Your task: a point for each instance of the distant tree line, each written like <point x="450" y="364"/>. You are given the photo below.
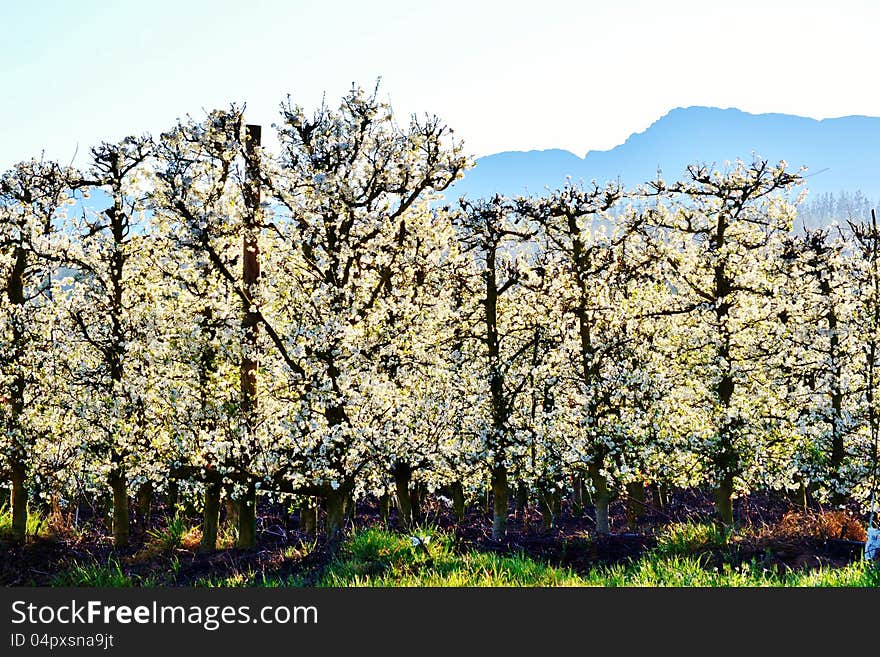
<point x="821" y="209"/>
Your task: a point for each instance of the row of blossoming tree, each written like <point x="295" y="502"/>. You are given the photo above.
<point x="198" y="317"/>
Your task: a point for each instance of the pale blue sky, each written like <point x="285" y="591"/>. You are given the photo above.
<point x="505" y="75"/>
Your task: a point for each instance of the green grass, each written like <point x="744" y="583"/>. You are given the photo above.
<point x="165" y="541"/>
<point x="378" y="557"/>
<point x="249" y="578"/>
<point x="109" y="573"/>
<point x="170" y="537"/>
<point x="686" y="538"/>
<point x="36" y="523"/>
<point x="655" y="570"/>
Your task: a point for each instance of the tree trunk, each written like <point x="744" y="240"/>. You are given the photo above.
<point x="838" y="449"/>
<point x="173" y="495"/>
<point x="120" y="508"/>
<point x="308" y="516"/>
<point x="402" y="474"/>
<point x="724" y="501"/>
<point x="458" y="501"/>
<point x="19" y="496"/>
<point x="635" y="503"/>
<point x="384" y="508"/>
<point x="802" y="495"/>
<point x="417" y="496"/>
<point x="499" y="495"/>
<point x="250" y="278"/>
<point x="105" y="503"/>
<point x="522" y="500"/>
<point x="211" y="518"/>
<point x="247" y="518"/>
<point x="335" y="503"/>
<point x="601" y="499"/>
<point x="577" y="497"/>
<point x="19" y="503"/>
<point x="546" y="511"/>
<point x="56" y="518"/>
<point x="145" y="504"/>
<point x="231" y="512"/>
<point x="350" y="508"/>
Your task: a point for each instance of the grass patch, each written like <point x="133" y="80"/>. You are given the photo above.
<point x="656" y="570"/>
<point x="172" y="536"/>
<point x="109" y="573"/>
<point x="685" y="538"/>
<point x="378" y="557"/>
<point x="249" y="579"/>
<point x="37" y="524"/>
<point x="177" y="534"/>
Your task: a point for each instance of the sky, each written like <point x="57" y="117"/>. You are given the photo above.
<point x="504" y="75"/>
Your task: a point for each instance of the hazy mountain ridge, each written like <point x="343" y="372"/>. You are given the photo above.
<point x="840" y="153"/>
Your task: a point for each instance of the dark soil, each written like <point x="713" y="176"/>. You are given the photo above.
<point x="769" y="530"/>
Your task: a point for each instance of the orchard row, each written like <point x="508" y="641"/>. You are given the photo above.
<point x="197" y="313"/>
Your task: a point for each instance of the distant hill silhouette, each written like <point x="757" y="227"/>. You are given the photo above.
<point x="841" y="153"/>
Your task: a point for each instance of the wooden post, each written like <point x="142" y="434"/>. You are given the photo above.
<point x="250" y="270"/>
